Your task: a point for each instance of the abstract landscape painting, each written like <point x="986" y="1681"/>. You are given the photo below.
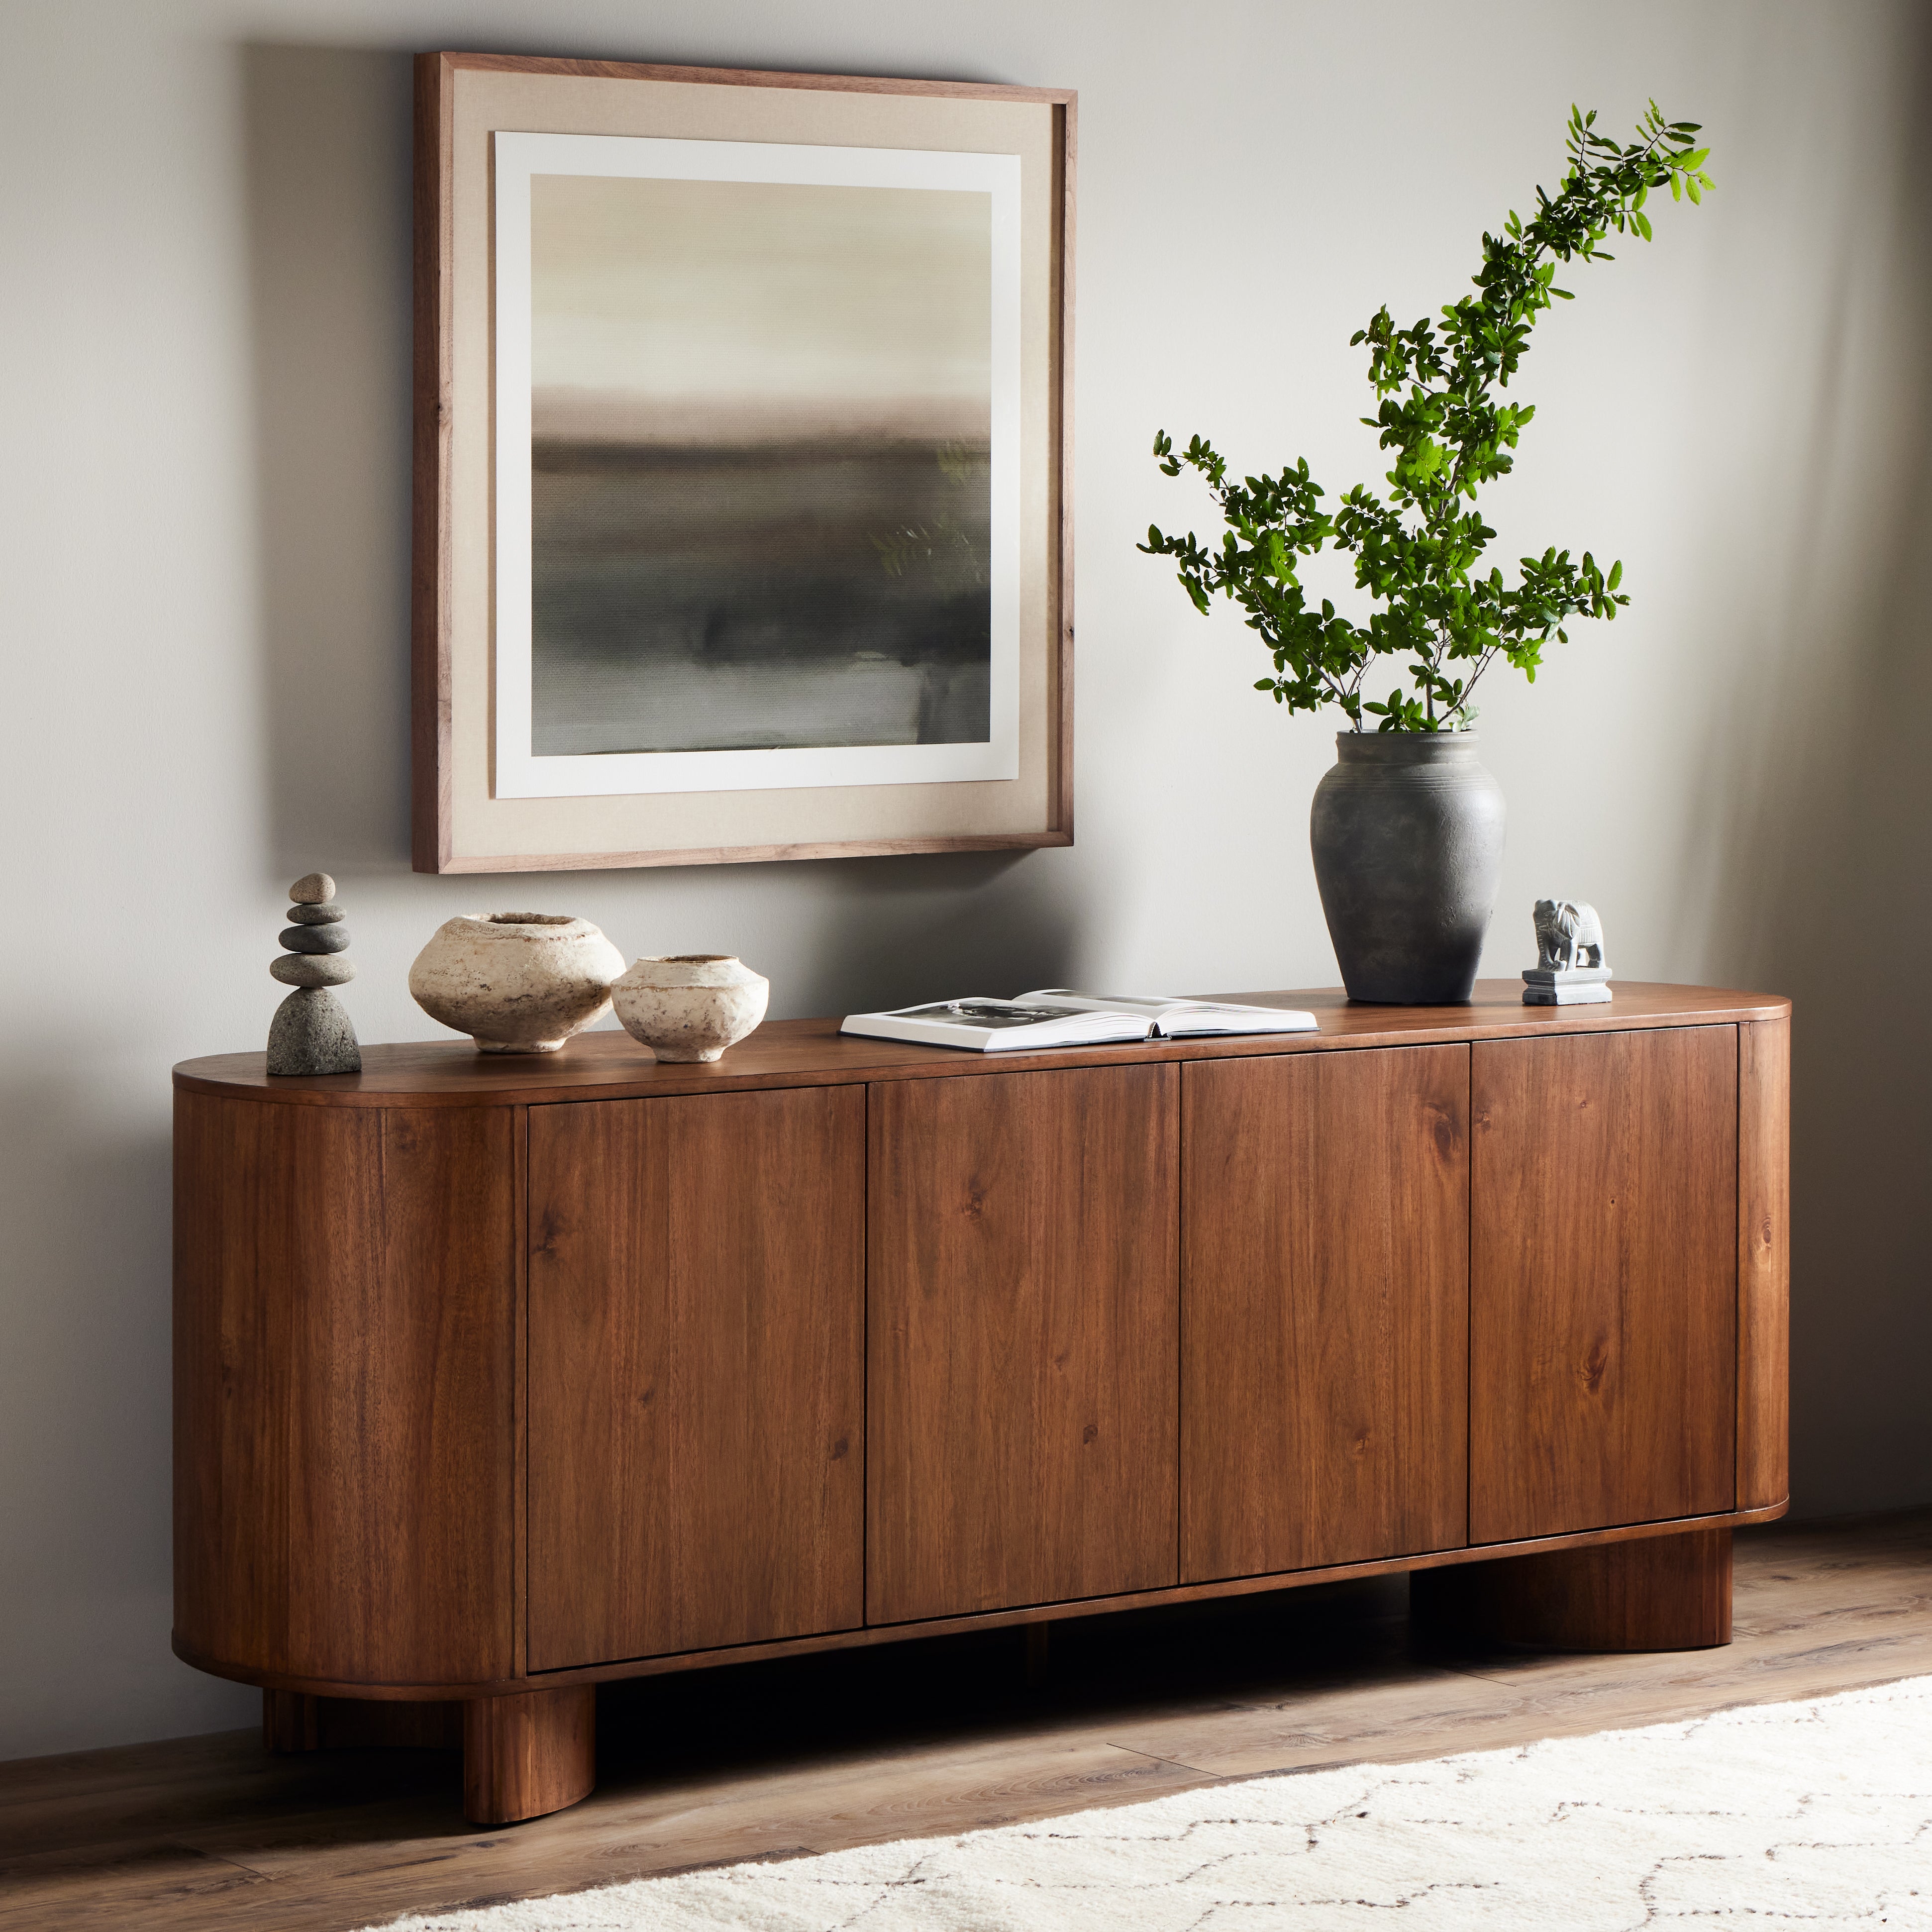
<point x="761" y="471"/>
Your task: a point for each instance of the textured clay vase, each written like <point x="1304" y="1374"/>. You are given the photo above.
<point x="1408" y="834"/>
<point x="691" y="1006"/>
<point x="516" y="981"/>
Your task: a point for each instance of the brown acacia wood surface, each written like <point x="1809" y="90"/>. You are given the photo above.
<point x="345" y="1289"/>
<point x="1065" y="1609"/>
<point x="1659" y="1593"/>
<point x="697" y="1399"/>
<point x="1324" y="1308"/>
<point x="1022" y="1345"/>
<point x="819" y="1754"/>
<point x="808" y="1052"/>
<point x="1764" y="1262"/>
<point x="525" y="1756"/>
<point x="1603" y="1291"/>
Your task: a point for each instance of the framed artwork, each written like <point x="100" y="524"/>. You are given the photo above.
<point x="742" y="529"/>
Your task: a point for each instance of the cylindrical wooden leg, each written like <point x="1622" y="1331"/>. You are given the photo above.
<point x="526" y="1755"/>
<point x="293" y="1722"/>
<point x="1038" y="1654"/>
<point x="290" y="1721"/>
<point x="1651" y="1593"/>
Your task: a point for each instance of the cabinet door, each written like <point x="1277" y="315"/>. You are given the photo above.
<point x="1324" y="1308"/>
<point x="1602" y="1280"/>
<point x="1021" y="1264"/>
<point x="696" y="1371"/>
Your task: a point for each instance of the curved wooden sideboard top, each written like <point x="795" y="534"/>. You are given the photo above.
<point x="611" y="1066"/>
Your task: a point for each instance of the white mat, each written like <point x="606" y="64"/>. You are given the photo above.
<point x="1814" y="1816"/>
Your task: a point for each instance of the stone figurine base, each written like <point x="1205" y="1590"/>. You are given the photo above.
<point x="311" y="1033"/>
<point x="1566" y="986"/>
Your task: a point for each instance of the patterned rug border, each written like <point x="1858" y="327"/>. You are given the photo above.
<point x="1647" y="1824"/>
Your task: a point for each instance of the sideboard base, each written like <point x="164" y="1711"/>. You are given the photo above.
<point x="532" y="1752"/>
<point x="1654" y="1593"/>
<point x="523" y="1757"/>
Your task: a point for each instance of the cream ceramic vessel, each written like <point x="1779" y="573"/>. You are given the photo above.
<point x="691" y="1006"/>
<point x="516" y="981"/>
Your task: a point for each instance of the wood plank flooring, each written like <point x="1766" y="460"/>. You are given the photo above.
<point x="812" y="1754"/>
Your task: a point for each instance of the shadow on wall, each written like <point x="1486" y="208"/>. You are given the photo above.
<point x="1825" y="892"/>
<point x="328" y="134"/>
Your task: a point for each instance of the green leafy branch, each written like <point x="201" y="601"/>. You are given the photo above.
<point x="1418" y="547"/>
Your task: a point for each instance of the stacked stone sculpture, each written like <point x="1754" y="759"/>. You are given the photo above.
<point x="311" y="1033"/>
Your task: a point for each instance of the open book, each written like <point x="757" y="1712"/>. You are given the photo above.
<point x="1057" y="1017"/>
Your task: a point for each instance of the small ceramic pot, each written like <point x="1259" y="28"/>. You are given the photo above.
<point x="516" y="981"/>
<point x="692" y="1006"/>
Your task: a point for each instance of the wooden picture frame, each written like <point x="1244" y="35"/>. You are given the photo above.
<point x="524" y="759"/>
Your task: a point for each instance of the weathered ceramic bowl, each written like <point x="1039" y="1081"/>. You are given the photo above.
<point x="516" y="981"/>
<point x="691" y="1006"/>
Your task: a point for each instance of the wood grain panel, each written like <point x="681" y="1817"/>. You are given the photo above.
<point x="1023" y="1257"/>
<point x="345" y="1300"/>
<point x="697" y="1364"/>
<point x="1764" y="1262"/>
<point x="250" y="1183"/>
<point x="1324" y="1310"/>
<point x="400" y="1549"/>
<point x="1602" y="1280"/>
<point x="794" y="1053"/>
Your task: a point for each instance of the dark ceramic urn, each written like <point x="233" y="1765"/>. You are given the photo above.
<point x="1407" y="834"/>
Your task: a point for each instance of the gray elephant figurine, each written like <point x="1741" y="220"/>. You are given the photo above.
<point x="1568" y="935"/>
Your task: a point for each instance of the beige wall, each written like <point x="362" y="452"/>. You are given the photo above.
<point x="205" y="389"/>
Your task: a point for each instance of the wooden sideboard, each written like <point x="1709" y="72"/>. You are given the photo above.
<point x="495" y="1377"/>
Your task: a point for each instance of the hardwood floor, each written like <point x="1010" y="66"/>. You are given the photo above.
<point x="812" y="1754"/>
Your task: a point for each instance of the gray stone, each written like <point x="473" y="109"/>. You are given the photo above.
<point x="326" y="913"/>
<point x="1571" y="969"/>
<point x="314" y="938"/>
<point x="311" y="1033"/>
<point x="1566" y="996"/>
<point x="313" y="889"/>
<point x="304" y="969"/>
<point x="1408" y="836"/>
<point x="1569" y="935"/>
<point x="1573" y="975"/>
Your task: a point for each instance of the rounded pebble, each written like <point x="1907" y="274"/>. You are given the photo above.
<point x="326" y="913"/>
<point x="304" y="969"/>
<point x="312" y="889"/>
<point x="310" y="1034"/>
<point x="314" y="939"/>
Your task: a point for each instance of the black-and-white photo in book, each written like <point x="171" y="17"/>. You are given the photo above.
<point x="1059" y="1017"/>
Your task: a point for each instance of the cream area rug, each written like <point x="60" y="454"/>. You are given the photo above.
<point x="1801" y="1815"/>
